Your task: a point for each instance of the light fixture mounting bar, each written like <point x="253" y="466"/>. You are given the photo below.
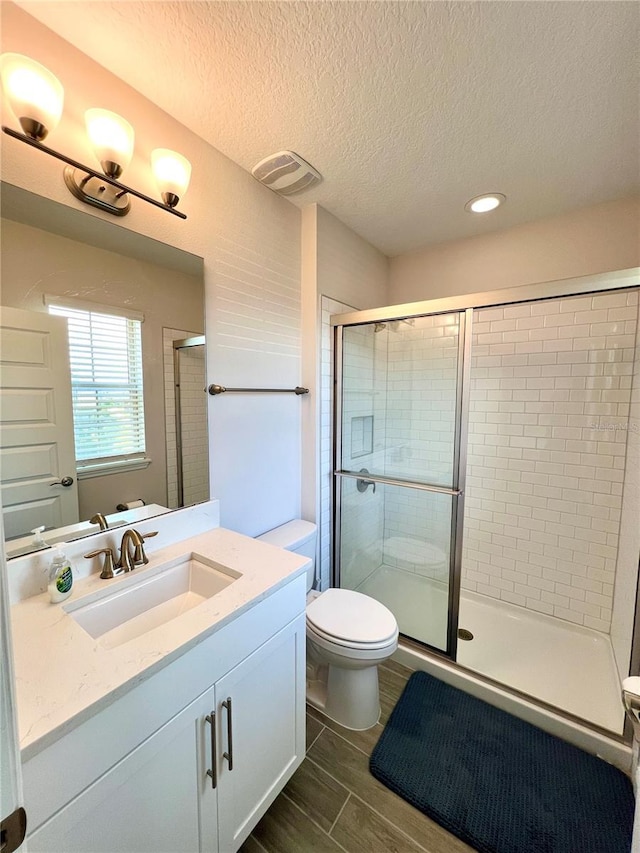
<point x="92" y="172"/>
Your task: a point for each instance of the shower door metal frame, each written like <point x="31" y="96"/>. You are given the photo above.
<point x="456" y="492"/>
<point x="618" y="280"/>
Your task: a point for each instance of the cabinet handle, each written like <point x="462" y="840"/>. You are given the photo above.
<point x="229" y="755"/>
<point x="211" y="718"/>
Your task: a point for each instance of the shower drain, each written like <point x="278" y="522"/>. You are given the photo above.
<point x="463" y="634"/>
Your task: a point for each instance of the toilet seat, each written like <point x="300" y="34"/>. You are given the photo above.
<point x="349" y="648"/>
<point x="352" y="620"/>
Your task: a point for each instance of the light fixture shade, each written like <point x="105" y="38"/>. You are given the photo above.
<point x="35" y="95"/>
<point x="112" y="140"/>
<point x="172" y="172"/>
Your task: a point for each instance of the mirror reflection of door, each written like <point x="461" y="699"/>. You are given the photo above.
<point x="52" y="259"/>
<point x="191" y="484"/>
<point x="37" y="456"/>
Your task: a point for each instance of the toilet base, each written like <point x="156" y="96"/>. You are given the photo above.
<point x="347" y="696"/>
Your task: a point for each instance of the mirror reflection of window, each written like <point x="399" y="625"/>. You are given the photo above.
<point x="105" y="356"/>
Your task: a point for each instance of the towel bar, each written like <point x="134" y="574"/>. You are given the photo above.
<point x="220" y="389"/>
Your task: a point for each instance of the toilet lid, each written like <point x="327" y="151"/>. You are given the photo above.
<point x="351" y="617"/>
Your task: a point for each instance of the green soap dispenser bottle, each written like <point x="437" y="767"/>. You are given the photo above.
<point x="60" y="575"/>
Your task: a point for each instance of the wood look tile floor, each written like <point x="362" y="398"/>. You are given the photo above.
<point x="334" y="804"/>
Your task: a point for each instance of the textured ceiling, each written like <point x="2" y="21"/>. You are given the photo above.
<point x="408" y="109"/>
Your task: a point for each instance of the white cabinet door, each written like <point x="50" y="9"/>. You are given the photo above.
<point x="10" y="778"/>
<point x="158" y="799"/>
<point x="261" y="730"/>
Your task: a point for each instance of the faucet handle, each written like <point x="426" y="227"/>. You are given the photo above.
<point x="139" y="556"/>
<point x="109" y="569"/>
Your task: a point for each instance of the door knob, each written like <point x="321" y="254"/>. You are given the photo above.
<point x="65" y="481"/>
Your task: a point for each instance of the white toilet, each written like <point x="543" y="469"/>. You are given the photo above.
<point x="348" y="635"/>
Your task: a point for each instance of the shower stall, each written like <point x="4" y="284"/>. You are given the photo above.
<point x="487" y="484"/>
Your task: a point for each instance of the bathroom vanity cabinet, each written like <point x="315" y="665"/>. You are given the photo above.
<point x="172" y="764"/>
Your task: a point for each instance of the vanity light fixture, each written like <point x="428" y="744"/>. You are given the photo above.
<point x="35" y="97"/>
<point x="112" y="140"/>
<point x="34" y="94"/>
<point x="485" y="203"/>
<point x="172" y="172"/>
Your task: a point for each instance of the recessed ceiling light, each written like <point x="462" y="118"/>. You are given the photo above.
<point x="485" y="203"/>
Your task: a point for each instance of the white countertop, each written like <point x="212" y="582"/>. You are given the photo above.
<point x="64" y="676"/>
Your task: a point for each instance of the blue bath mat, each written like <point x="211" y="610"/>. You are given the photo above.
<point x="498" y="783"/>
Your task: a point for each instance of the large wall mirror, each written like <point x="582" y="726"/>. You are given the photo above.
<point x="102" y="375"/>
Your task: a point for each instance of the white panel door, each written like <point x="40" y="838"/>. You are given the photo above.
<point x="262" y="732"/>
<point x="36" y="445"/>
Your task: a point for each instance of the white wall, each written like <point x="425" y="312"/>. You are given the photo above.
<point x="340" y="265"/>
<point x="595" y="239"/>
<point x="250" y="241"/>
<point x="349" y="269"/>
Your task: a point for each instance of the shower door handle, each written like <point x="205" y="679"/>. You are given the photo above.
<point x="362" y="484"/>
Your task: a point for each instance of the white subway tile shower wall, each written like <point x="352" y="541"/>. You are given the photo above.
<point x="421" y="400"/>
<point x="624" y="597"/>
<point x="403" y="374"/>
<point x="550" y="397"/>
<point x="364" y="381"/>
<point x="328" y="307"/>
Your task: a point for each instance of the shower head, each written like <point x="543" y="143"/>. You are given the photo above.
<point x="394" y="325"/>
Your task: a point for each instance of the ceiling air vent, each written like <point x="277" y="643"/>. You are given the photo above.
<point x="286" y="173"/>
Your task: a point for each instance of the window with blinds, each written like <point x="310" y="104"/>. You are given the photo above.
<point x="105" y="354"/>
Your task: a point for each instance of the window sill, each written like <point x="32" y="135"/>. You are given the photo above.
<point x="119" y="466"/>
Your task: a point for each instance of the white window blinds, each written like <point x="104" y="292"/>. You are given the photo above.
<point x="105" y="352"/>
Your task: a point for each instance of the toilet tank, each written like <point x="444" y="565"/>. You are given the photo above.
<point x="298" y="536"/>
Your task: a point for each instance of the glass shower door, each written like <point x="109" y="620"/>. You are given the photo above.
<point x="398" y="469"/>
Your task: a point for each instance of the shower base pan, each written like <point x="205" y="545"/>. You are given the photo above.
<point x="563" y="665"/>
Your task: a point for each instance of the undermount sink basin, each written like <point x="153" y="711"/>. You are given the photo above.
<point x="159" y="595"/>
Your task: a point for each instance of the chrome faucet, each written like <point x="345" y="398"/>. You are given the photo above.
<point x="132" y="539"/>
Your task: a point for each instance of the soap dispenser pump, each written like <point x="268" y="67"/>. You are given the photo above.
<point x="60" y="575"/>
<point x="38" y="539"/>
